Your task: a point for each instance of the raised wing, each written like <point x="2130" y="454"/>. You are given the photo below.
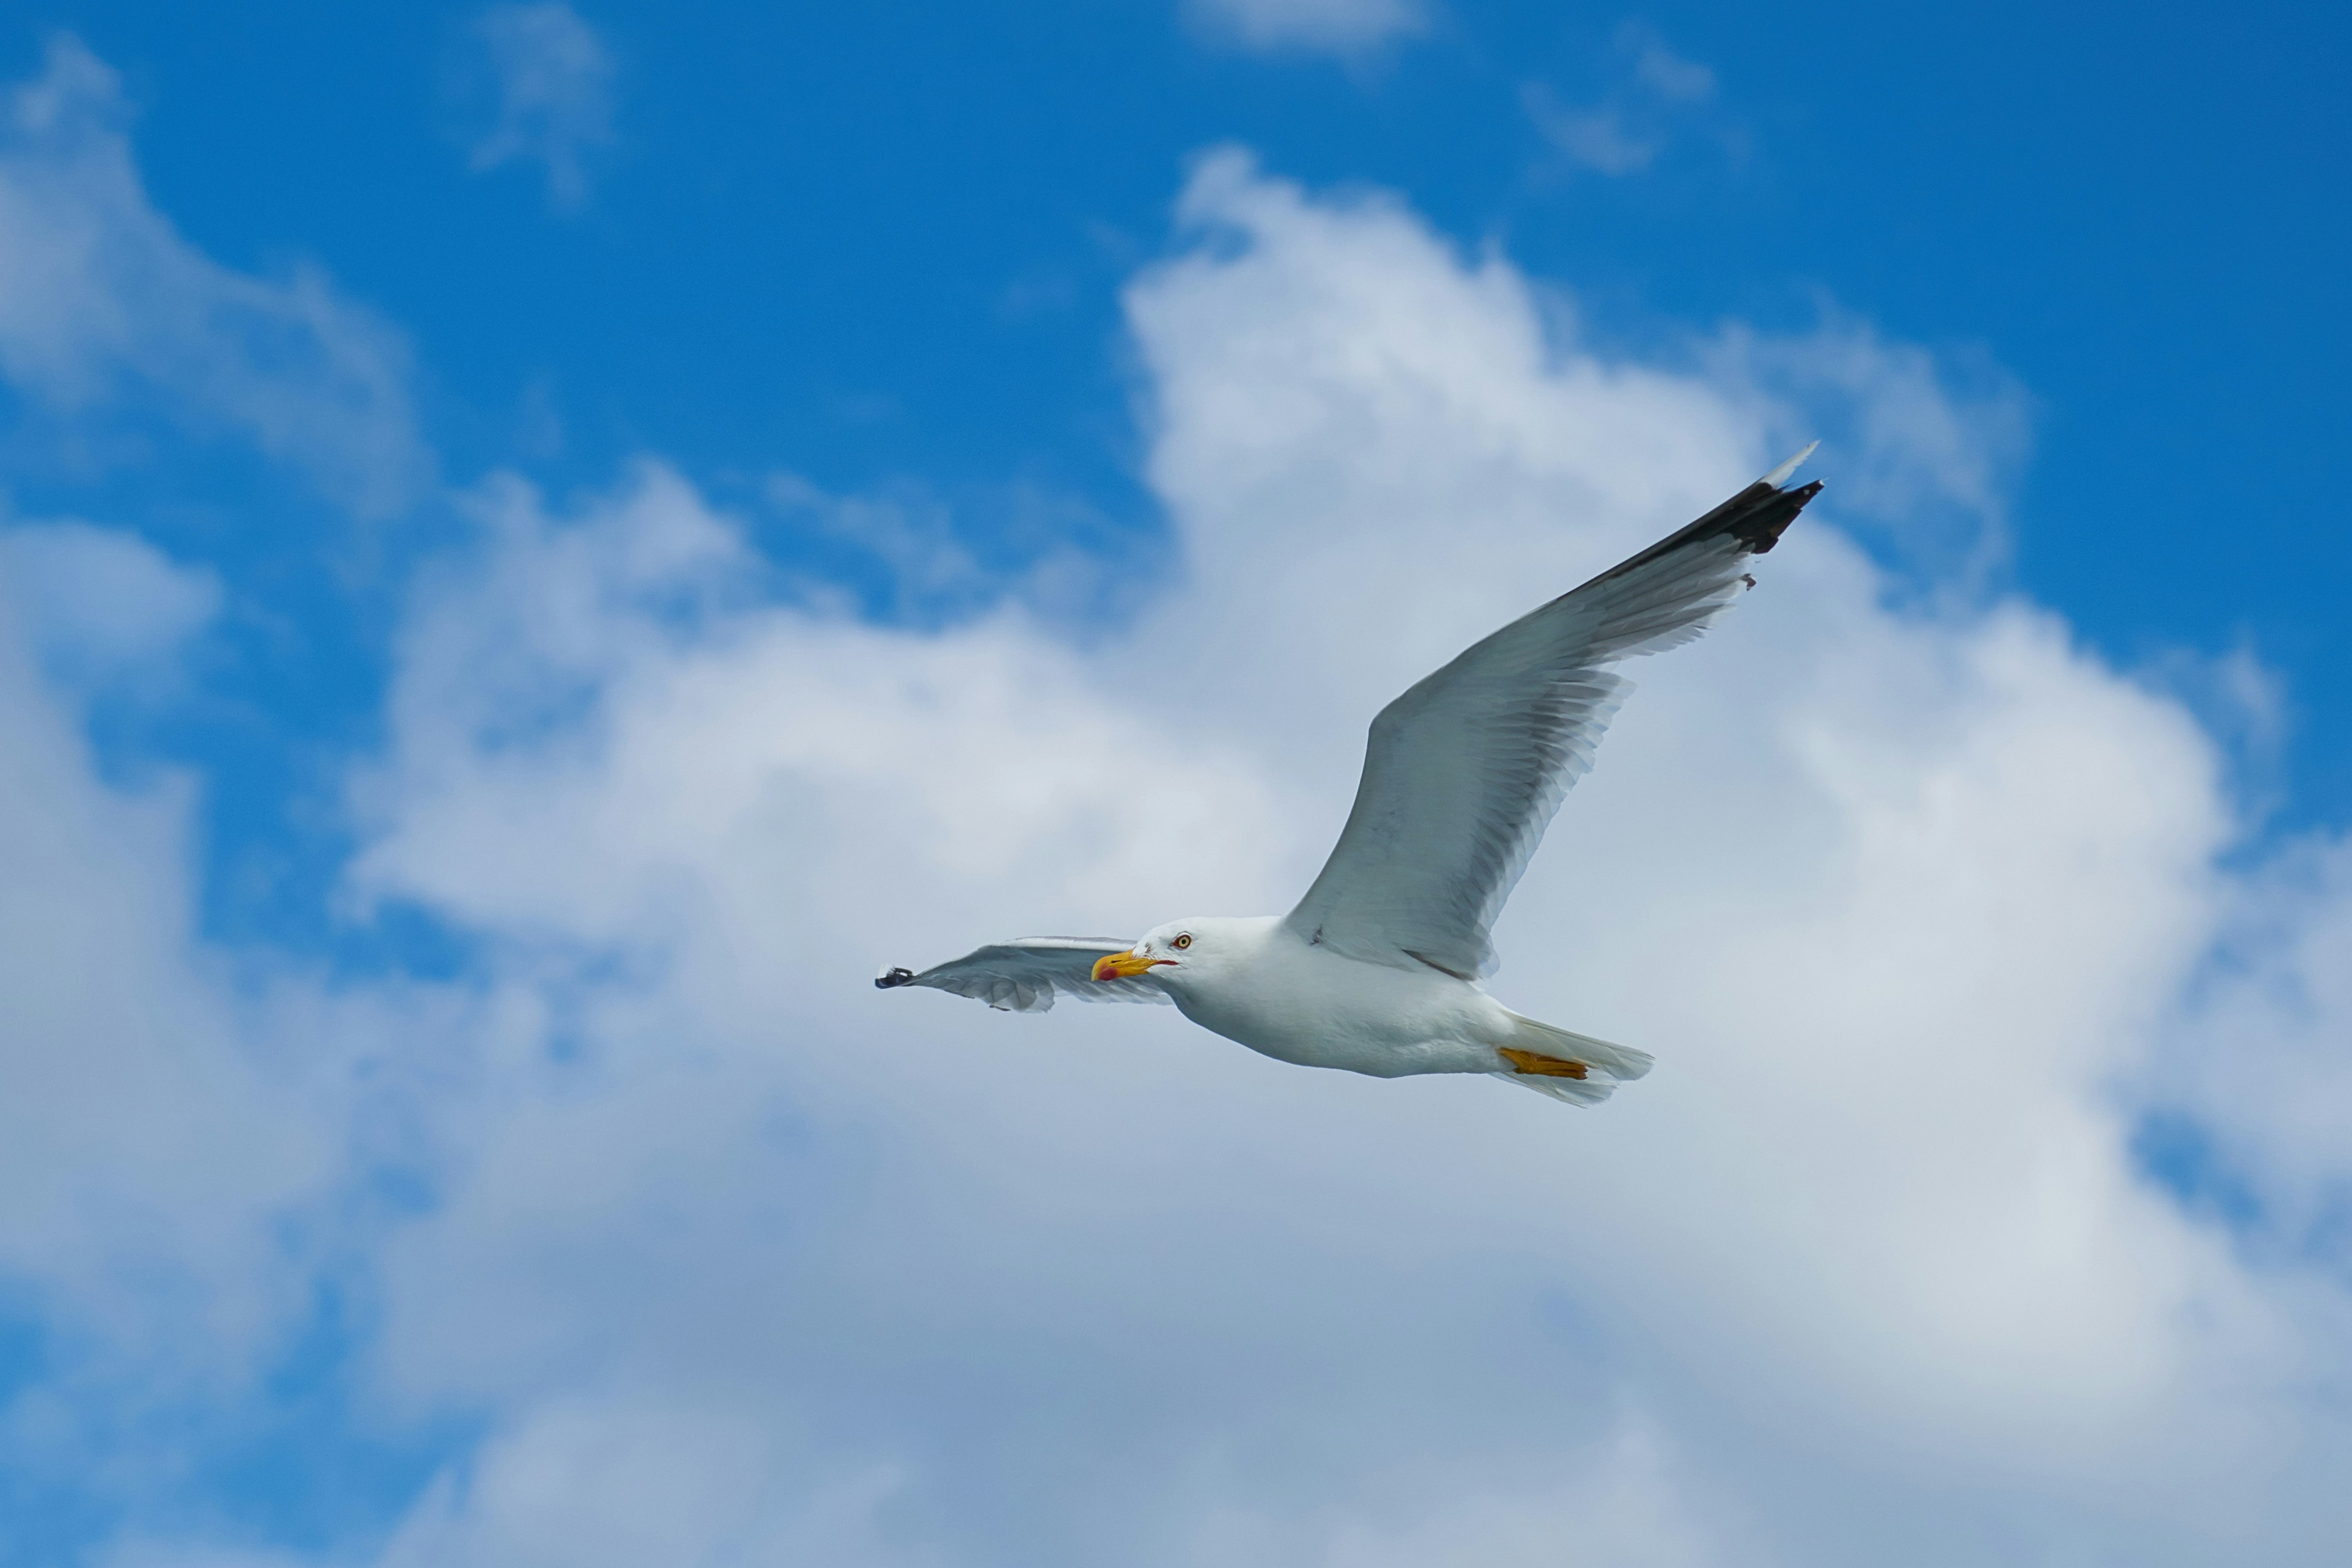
<point x="1464" y="772"/>
<point x="1025" y="977"/>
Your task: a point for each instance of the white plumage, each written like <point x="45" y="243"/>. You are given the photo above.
<point x="1377" y="970"/>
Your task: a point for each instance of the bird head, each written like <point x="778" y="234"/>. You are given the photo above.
<point x="1166" y="949"/>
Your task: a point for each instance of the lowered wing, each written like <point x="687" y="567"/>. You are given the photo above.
<point x="1462" y="773"/>
<point x="1025" y="977"/>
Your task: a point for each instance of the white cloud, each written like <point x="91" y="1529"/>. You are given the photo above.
<point x="1336" y="26"/>
<point x="732" y="1257"/>
<point x="144" y="1139"/>
<point x="2262" y="1062"/>
<point x="1662" y="71"/>
<point x="1635" y="122"/>
<point x="1865" y="1272"/>
<point x="551" y="77"/>
<point x="1929" y="444"/>
<point x="98" y="603"/>
<point x="592" y="1482"/>
<point x="918" y="556"/>
<point x="1596" y="138"/>
<point x="104" y="308"/>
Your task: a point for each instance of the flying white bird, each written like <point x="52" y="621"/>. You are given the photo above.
<point x="1377" y="970"/>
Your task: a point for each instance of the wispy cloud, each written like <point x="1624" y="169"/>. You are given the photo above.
<point x="1659" y="69"/>
<point x="1332" y="26"/>
<point x="100" y="603"/>
<point x="550" y="76"/>
<point x="107" y="312"/>
<point x="1929" y="444"/>
<point x="1624" y="131"/>
<point x="1596" y="138"/>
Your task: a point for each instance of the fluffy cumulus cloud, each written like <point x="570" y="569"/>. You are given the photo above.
<point x="545" y="78"/>
<point x="97" y="604"/>
<point x="720" y="1256"/>
<point x="105" y="308"/>
<point x="2256" y="1078"/>
<point x="1347" y="27"/>
<point x="149" y="1144"/>
<point x="1903" y="901"/>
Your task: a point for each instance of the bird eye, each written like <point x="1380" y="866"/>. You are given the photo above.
<point x="1183" y="942"/>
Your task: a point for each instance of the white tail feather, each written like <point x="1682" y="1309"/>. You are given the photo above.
<point x="1609" y="1065"/>
<point x="1575" y="1090"/>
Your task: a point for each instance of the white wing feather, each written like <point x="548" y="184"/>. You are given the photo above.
<point x="1464" y="772"/>
<point x="1026" y="975"/>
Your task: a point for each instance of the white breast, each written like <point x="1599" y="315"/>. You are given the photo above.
<point x="1286" y="999"/>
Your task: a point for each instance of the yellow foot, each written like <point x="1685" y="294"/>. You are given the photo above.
<point x="1542" y="1066"/>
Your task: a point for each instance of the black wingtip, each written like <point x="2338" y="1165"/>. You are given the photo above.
<point x="1762" y="528"/>
<point x="892" y="979"/>
<point x="1757" y="518"/>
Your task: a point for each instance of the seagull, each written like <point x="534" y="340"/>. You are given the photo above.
<point x="1378" y="970"/>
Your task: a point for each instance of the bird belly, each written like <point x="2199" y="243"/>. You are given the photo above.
<point x="1327" y="1012"/>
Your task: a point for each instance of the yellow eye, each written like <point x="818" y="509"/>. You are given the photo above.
<point x="1183" y="942"/>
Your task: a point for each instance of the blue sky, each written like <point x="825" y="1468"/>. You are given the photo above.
<point x="884" y="247"/>
<point x="537" y="538"/>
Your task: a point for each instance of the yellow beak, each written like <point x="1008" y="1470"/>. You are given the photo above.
<point x="1124" y="966"/>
